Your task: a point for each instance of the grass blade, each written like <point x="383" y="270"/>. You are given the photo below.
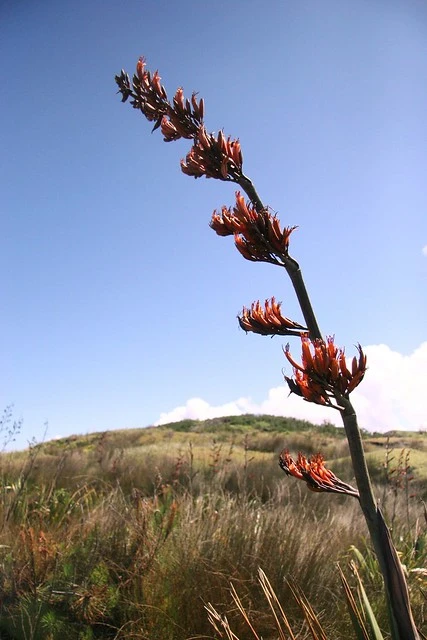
<point x="370" y="617"/>
<point x="355" y="615"/>
<point x="272" y="600"/>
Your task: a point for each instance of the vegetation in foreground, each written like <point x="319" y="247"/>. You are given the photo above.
<point x="130" y="534"/>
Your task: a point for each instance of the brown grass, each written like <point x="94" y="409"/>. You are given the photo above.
<point x="103" y="540"/>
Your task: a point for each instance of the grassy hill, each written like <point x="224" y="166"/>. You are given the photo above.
<point x="133" y="455"/>
<point x="129" y="533"/>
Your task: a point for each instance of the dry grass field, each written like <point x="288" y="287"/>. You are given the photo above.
<point x="130" y="533"/>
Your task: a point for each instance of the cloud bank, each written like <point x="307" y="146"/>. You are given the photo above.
<point x="393" y="395"/>
<point x="424" y="250"/>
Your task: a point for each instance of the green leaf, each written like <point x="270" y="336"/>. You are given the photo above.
<point x="370" y="616"/>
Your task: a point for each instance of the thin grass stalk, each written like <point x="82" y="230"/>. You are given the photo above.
<point x="355" y="615"/>
<point x="243" y="611"/>
<point x="310" y="615"/>
<point x="216" y="619"/>
<point x="373" y="624"/>
<point x="273" y="602"/>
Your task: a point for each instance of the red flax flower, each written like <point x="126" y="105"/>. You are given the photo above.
<point x="184" y="119"/>
<point x="268" y="320"/>
<point x="181" y="119"/>
<point x="257" y="234"/>
<point x="314" y="473"/>
<point x="324" y="374"/>
<point x="214" y="157"/>
<point x="149" y="95"/>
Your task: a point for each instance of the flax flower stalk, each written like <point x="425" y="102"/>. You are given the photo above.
<point x="323" y="376"/>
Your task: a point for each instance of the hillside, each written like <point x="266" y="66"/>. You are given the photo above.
<point x="129" y="533"/>
<point x="135" y="455"/>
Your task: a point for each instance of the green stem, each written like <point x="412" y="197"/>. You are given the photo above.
<point x="402" y="623"/>
<point x="294" y="272"/>
<point x="292" y="268"/>
<point x="248" y="187"/>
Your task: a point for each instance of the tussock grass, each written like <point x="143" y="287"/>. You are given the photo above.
<point x="103" y="537"/>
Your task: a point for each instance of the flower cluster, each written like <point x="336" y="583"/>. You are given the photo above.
<point x="185" y="119"/>
<point x="211" y="156"/>
<point x="314" y="473"/>
<point x="324" y="374"/>
<point x="147" y="93"/>
<point x="214" y="157"/>
<point x="268" y="320"/>
<point x="182" y="119"/>
<point x="257" y="234"/>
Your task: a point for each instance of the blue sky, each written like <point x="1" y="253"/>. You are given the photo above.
<point x="119" y="302"/>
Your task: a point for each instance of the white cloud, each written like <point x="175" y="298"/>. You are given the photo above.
<point x="392" y="396"/>
<point x="425" y="250"/>
<point x="198" y="409"/>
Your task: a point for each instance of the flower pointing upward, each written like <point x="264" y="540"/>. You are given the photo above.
<point x="323" y="374"/>
<point x="258" y="235"/>
<point x="214" y="157"/>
